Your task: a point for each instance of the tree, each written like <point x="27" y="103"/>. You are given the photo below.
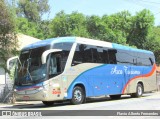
<point x="8" y="41"/>
<point x="41" y="31"/>
<point x="77" y="24"/>
<point x="26" y="27"/>
<point x="137" y="31"/>
<point x="95" y="27"/>
<point x="140" y="28"/>
<point x="59" y="25"/>
<point x="108" y="28"/>
<point x="29" y="18"/>
<point x="117" y="25"/>
<point x="120" y="22"/>
<point x="33" y="10"/>
<point x="153" y="42"/>
<point x="68" y="25"/>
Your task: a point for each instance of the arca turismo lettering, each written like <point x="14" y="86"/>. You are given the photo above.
<point x="125" y="70"/>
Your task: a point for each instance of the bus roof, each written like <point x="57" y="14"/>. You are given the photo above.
<point x="122" y="47"/>
<point x="109" y="45"/>
<point x="51" y="41"/>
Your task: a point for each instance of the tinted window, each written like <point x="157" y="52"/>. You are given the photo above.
<point x="64" y="46"/>
<point x="91" y="54"/>
<point x="57" y="62"/>
<point x="78" y="55"/>
<point x="83" y="53"/>
<point x="87" y="54"/>
<point x="95" y="54"/>
<point x="126" y="57"/>
<point x="144" y="59"/>
<point x="54" y="65"/>
<point x="105" y="55"/>
<point x="64" y="57"/>
<point x="112" y="56"/>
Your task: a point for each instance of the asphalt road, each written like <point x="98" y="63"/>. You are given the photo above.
<point x="149" y="101"/>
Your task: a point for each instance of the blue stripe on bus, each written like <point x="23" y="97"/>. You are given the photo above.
<point x="100" y="80"/>
<point x="50" y="41"/>
<point x="119" y="46"/>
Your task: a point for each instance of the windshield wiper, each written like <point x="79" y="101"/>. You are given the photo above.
<point x="28" y="65"/>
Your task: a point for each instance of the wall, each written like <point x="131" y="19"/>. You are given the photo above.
<point x="2" y="75"/>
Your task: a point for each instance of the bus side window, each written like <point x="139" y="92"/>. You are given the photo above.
<point x="78" y="55"/>
<point x="144" y="60"/>
<point x="105" y="56"/>
<point x="52" y="65"/>
<point x="151" y="61"/>
<point x="125" y="57"/>
<point x="88" y="56"/>
<point x="112" y="56"/>
<point x="94" y="55"/>
<point x="139" y="61"/>
<point x="99" y="55"/>
<point x="55" y="64"/>
<point x="134" y="61"/>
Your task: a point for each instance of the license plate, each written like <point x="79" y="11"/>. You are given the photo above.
<point x="26" y="97"/>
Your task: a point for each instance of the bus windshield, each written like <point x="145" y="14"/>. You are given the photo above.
<point x="30" y="70"/>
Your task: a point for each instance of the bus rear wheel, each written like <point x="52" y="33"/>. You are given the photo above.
<point x="48" y="103"/>
<point x="139" y="91"/>
<point x="78" y="95"/>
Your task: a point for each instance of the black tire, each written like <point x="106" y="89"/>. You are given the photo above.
<point x="139" y="91"/>
<point x="115" y="97"/>
<point x="78" y="95"/>
<point x="48" y="103"/>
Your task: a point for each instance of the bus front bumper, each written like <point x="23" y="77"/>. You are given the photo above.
<point x="31" y="95"/>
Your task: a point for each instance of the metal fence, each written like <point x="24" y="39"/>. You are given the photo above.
<point x="6" y="91"/>
<point x="2" y="87"/>
<point x="6" y="94"/>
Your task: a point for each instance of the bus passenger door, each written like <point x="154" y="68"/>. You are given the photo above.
<point x="53" y="74"/>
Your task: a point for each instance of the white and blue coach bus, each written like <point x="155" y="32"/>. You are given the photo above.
<point x="74" y="68"/>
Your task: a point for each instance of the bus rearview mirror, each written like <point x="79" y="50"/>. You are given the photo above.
<point x="46" y="53"/>
<point x="11" y="62"/>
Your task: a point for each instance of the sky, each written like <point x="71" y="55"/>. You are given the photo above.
<point x="102" y="7"/>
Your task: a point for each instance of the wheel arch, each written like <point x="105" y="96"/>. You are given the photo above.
<point x="71" y="88"/>
<point x="80" y="96"/>
<point x="82" y="86"/>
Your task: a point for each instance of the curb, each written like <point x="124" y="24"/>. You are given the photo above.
<point x="3" y="105"/>
<point x="19" y="104"/>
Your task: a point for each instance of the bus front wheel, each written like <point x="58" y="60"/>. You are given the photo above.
<point x="78" y="95"/>
<point x="48" y="103"/>
<point x="139" y="91"/>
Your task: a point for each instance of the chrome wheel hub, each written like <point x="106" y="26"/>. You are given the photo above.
<point x="139" y="91"/>
<point x="78" y="95"/>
